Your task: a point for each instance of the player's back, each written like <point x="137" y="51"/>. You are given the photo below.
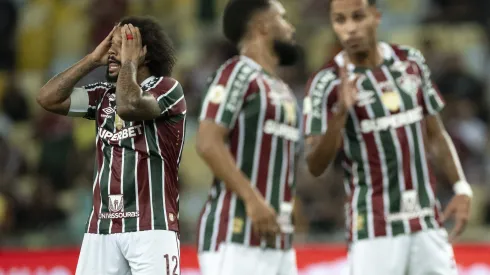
<point x="261" y="114"/>
<point x="136" y="179"/>
<point x="387" y="174"/>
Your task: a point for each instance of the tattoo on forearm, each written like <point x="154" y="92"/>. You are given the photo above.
<point x="126" y="90"/>
<point x="63" y="83"/>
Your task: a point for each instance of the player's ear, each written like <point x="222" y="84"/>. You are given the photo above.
<point x="259" y="24"/>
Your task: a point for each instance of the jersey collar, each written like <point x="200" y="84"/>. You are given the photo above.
<point x="148" y="80"/>
<point x="385" y="49"/>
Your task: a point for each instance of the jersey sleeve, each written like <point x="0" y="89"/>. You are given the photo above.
<point x="319" y="102"/>
<point x="226" y="93"/>
<point x="84" y="100"/>
<point x="170" y="96"/>
<point x="432" y="100"/>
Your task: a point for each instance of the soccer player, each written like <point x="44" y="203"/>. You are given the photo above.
<point x="248" y="136"/>
<point x="377" y="104"/>
<point x="140" y="117"/>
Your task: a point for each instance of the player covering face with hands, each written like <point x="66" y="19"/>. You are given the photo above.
<point x="140" y="117"/>
<point x="376" y="103"/>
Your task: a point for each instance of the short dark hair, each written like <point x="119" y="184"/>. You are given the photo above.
<point x="160" y="50"/>
<point x="237" y="16"/>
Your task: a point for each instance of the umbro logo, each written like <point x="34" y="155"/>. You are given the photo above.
<point x="108" y="110"/>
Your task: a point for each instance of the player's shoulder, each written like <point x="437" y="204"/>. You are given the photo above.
<point x="99" y="86"/>
<point x="161" y="85"/>
<point x="331" y="68"/>
<point x="320" y="79"/>
<point x="404" y="52"/>
<point x="238" y="67"/>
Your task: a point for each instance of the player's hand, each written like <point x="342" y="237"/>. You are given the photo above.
<point x="347" y="90"/>
<point x="132" y="49"/>
<point x="100" y="55"/>
<point x="459" y="208"/>
<point x="263" y="216"/>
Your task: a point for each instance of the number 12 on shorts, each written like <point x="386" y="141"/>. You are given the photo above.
<point x="175" y="262"/>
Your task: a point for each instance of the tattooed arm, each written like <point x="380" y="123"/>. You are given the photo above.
<point x="54" y="96"/>
<point x="132" y="103"/>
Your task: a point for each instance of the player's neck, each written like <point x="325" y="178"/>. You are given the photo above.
<point x="369" y="59"/>
<point x="261" y="55"/>
<point x="142" y="74"/>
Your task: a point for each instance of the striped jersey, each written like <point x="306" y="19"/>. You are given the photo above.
<point x="388" y="180"/>
<point x="263" y="119"/>
<point x="135" y="185"/>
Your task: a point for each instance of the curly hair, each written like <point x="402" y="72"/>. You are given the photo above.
<point x="160" y="50"/>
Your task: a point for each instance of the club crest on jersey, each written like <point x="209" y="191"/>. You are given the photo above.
<point x="391" y="100"/>
<point x="216" y="94"/>
<point x="409" y="83"/>
<point x="116" y="203"/>
<point x="112" y="97"/>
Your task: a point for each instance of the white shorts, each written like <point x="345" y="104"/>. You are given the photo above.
<point x="138" y="253"/>
<point x="237" y="259"/>
<point x="424" y="252"/>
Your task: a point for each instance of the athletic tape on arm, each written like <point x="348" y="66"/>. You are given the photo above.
<point x="79" y="102"/>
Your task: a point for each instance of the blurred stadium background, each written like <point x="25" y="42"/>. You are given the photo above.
<point x="46" y="161"/>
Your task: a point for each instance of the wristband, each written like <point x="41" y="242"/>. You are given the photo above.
<point x="463" y="188"/>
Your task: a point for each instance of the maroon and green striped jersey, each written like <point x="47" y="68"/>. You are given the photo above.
<point x="388" y="179"/>
<point x="263" y="119"/>
<point x="135" y="185"/>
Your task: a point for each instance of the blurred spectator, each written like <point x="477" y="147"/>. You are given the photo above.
<point x="55" y="135"/>
<point x="196" y="79"/>
<point x="456" y="83"/>
<point x="12" y="163"/>
<point x="41" y="210"/>
<point x="104" y="14"/>
<point x="470" y="133"/>
<point x="8" y="26"/>
<point x="14" y="103"/>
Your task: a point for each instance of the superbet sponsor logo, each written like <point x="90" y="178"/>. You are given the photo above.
<point x="129" y="132"/>
<point x="393" y="121"/>
<point x="285" y="131"/>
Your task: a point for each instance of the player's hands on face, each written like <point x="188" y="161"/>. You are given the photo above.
<point x="459" y="208"/>
<point x="263" y="216"/>
<point x="347" y="90"/>
<point x="132" y="49"/>
<point x="101" y="53"/>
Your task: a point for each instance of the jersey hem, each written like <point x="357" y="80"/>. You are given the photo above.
<point x="131" y="229"/>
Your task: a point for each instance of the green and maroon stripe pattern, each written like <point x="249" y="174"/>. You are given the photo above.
<point x="253" y="109"/>
<point x="382" y="163"/>
<point x="139" y="162"/>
